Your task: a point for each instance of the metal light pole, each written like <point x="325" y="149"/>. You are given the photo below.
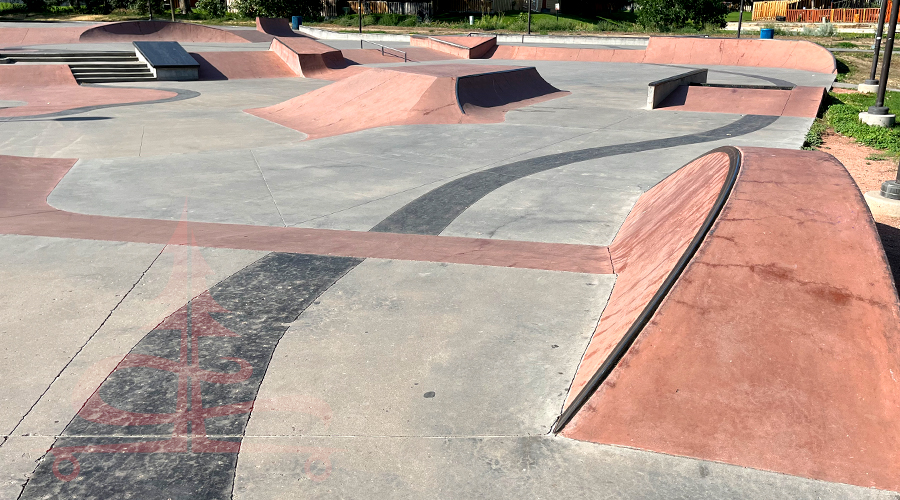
<point x="529" y="16"/>
<point x="741" y="17"/>
<point x="359" y="5"/>
<point x="878" y="32"/>
<point x="172" y="8"/>
<point x="150" y="8"/>
<point x="879" y="108"/>
<point x="889" y="189"/>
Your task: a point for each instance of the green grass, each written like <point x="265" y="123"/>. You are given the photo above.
<point x="842" y="115"/>
<point x="814" y="136"/>
<point x="732" y="17"/>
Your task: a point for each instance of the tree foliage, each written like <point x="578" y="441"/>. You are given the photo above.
<point x="666" y="15"/>
<point x="309" y="9"/>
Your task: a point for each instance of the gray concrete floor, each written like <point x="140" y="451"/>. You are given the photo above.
<point x="442" y="381"/>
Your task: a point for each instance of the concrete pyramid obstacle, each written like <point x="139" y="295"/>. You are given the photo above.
<point x="433" y="94"/>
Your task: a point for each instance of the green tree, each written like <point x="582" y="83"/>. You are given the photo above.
<point x="666" y="15"/>
<point x="309" y="9"/>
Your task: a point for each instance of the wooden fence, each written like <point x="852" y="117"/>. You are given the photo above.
<point x="768" y="11"/>
<point x="834" y="15"/>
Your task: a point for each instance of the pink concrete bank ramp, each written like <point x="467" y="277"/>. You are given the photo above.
<point x="777" y="346"/>
<point x="311" y="59"/>
<point x="462" y="47"/>
<point x="434" y="94"/>
<point x="158" y="31"/>
<point x="792" y="54"/>
<point x="801" y="101"/>
<point x="277" y="26"/>
<point x="52" y="88"/>
<point x="127" y="31"/>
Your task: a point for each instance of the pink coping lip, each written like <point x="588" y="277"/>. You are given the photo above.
<point x="25" y="184"/>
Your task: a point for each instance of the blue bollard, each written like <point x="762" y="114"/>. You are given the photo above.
<point x="766" y="33"/>
<point x="296" y="21"/>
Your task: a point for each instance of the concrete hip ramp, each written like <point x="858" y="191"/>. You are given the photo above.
<point x="749" y="324"/>
<point x="433" y="94"/>
<point x="276" y="26"/>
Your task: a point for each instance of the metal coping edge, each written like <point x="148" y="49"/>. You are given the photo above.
<point x="631" y="335"/>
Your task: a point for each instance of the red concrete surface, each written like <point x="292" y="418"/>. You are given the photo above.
<point x="801" y="101"/>
<point x="49" y="88"/>
<point x="127" y="31"/>
<point x="779" y="346"/>
<point x="380" y="97"/>
<point x="311" y="59"/>
<point x="15" y="37"/>
<point x="795" y="54"/>
<point x="241" y="65"/>
<point x="277" y="26"/>
<point x="651" y="240"/>
<point x="25" y="184"/>
<point x="800" y="55"/>
<point x="462" y="47"/>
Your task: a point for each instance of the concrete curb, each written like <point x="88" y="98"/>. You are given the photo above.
<point x="506" y="38"/>
<point x="657" y="91"/>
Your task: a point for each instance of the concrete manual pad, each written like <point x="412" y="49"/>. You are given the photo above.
<point x="393" y="349"/>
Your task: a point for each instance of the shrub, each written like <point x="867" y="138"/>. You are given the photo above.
<point x="843" y="116"/>
<point x="666" y="15"/>
<point x="390" y="19"/>
<point x="408" y="22"/>
<point x="310" y="9"/>
<point x="212" y="8"/>
<point x="9" y="8"/>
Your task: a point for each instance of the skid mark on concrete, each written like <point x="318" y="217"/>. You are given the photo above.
<point x="190" y="381"/>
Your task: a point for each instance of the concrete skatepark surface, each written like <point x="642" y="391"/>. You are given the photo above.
<point x="202" y="303"/>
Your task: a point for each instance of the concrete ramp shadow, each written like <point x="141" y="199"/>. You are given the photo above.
<point x="749" y="325"/>
<point x="433" y="94"/>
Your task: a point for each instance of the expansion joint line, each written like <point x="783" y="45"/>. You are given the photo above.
<point x="268" y="188"/>
<point x="83" y="345"/>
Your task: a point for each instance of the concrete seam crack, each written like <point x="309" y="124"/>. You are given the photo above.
<point x="268" y="188"/>
<point x="83" y="345"/>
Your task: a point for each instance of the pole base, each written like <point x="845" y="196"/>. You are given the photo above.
<point x="879" y="205"/>
<point x="868" y="88"/>
<point x="878" y="110"/>
<point x="871" y="82"/>
<point x="890" y="189"/>
<point x="886" y="121"/>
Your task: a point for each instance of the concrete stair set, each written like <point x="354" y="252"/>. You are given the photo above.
<point x="93" y="67"/>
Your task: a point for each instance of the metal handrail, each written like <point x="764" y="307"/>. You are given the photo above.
<point x="384" y="47"/>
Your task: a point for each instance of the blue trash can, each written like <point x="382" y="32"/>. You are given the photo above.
<point x="296" y="21"/>
<point x="767" y="33"/>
